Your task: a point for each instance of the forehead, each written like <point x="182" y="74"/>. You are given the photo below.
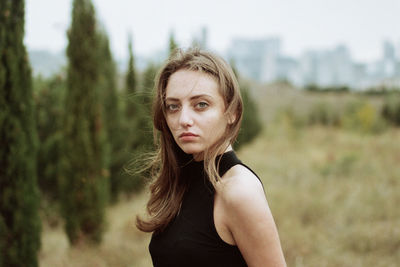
<point x="186" y="83"/>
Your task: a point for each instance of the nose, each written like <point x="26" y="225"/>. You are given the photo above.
<point x="185" y="117"/>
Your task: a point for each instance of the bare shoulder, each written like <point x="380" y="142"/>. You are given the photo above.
<point x="249" y="219"/>
<point x="239" y="186"/>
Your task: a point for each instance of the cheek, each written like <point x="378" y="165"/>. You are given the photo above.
<point x="170" y="123"/>
<point x="215" y="122"/>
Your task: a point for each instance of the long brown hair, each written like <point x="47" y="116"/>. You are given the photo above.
<point x="167" y="188"/>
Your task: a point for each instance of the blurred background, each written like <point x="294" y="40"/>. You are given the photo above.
<point x="329" y="43"/>
<point x="320" y="82"/>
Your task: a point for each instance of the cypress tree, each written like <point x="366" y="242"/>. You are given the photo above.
<point x="138" y="119"/>
<point x="251" y="121"/>
<point x="172" y="43"/>
<point x="19" y="220"/>
<point x="49" y="95"/>
<point x="84" y="183"/>
<point x="149" y="76"/>
<point x="142" y="132"/>
<point x="133" y="112"/>
<point x="145" y="120"/>
<point x="131" y="79"/>
<point x="112" y="116"/>
<point x="133" y="108"/>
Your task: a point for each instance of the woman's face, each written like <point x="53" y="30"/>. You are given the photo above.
<point x="194" y="111"/>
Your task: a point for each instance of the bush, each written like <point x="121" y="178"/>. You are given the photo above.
<point x="323" y="114"/>
<point x="362" y="116"/>
<point x="391" y="109"/>
<point x="288" y="116"/>
<point x="357" y="115"/>
<point x="326" y="89"/>
<point x="251" y="122"/>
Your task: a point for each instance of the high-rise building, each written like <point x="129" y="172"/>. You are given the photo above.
<point x="256" y="59"/>
<point x="388" y="60"/>
<point x="388" y="50"/>
<point x="263" y="61"/>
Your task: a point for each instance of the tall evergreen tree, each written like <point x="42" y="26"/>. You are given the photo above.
<point x="251" y="121"/>
<point x="84" y="183"/>
<point x="143" y="127"/>
<point x="112" y="116"/>
<point x="132" y="108"/>
<point x="148" y="80"/>
<point x="49" y="99"/>
<point x="138" y="119"/>
<point x="131" y="84"/>
<point x="131" y="78"/>
<point x="19" y="220"/>
<point x="147" y="91"/>
<point x="173" y="45"/>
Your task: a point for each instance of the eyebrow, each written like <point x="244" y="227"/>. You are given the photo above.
<point x="192" y="98"/>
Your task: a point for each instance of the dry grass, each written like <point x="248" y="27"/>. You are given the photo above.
<point x="123" y="245"/>
<point x="274" y="97"/>
<point x="334" y="196"/>
<point x="333" y="193"/>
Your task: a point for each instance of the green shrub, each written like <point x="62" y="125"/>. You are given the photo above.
<point x="323" y="114"/>
<point x="391" y="109"/>
<point x="326" y="89"/>
<point x="251" y="121"/>
<point x="289" y="117"/>
<point x="362" y="116"/>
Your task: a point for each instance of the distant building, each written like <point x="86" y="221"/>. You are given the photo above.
<point x="388" y="60"/>
<point x="256" y="59"/>
<point x="263" y="61"/>
<point x="288" y="70"/>
<point x="327" y="68"/>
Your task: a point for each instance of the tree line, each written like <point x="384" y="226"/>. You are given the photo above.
<point x="68" y="138"/>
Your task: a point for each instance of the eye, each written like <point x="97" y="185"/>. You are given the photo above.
<point x="172" y="107"/>
<point x="202" y="105"/>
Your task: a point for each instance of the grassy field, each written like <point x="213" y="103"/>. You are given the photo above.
<point x="334" y="195"/>
<point x="123" y="244"/>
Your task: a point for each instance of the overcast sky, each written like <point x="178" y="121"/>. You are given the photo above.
<point x="362" y="25"/>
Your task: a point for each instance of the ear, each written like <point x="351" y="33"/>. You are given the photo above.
<point x="231" y="118"/>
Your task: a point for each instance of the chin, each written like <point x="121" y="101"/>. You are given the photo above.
<point x="191" y="149"/>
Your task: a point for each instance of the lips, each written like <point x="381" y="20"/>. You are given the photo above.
<point x="188" y="135"/>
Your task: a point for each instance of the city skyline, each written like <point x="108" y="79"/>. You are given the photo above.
<point x="302" y="25"/>
<point x="263" y="61"/>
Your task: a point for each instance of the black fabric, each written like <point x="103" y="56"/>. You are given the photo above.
<point x="191" y="238"/>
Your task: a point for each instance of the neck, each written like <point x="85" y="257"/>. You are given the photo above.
<point x="200" y="156"/>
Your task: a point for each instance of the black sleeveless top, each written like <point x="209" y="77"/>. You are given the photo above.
<point x="191" y="239"/>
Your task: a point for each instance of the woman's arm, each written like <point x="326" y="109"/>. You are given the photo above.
<point x="250" y="220"/>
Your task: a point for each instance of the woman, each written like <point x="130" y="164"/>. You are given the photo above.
<point x="206" y="207"/>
